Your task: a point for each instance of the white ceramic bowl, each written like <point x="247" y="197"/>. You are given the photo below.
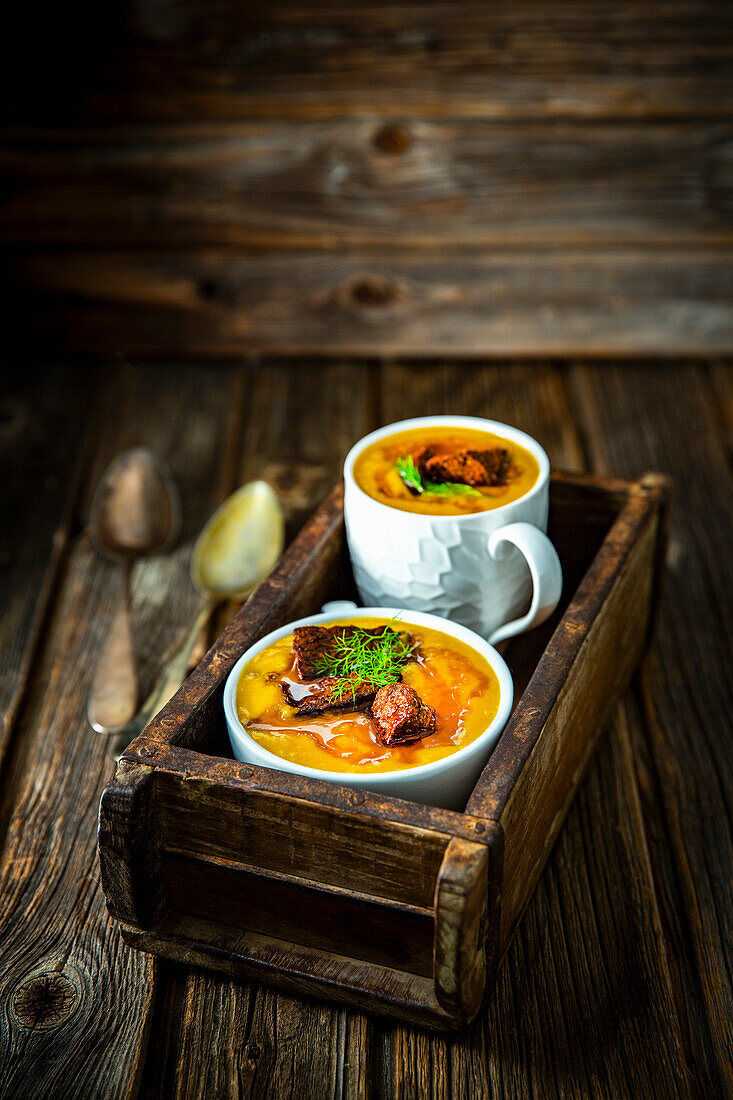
<point x="447" y="782"/>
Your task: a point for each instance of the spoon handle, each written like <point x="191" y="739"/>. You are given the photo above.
<point x="113" y="698"/>
<point x="168" y="684"/>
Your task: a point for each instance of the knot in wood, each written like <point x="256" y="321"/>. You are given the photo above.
<point x="372" y="291"/>
<point x="254" y="1052"/>
<point x="208" y="289"/>
<point x="44" y="1001"/>
<point x="392" y="139"/>
<point x="217" y="290"/>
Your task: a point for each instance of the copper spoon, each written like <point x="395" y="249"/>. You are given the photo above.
<point x="135" y="512"/>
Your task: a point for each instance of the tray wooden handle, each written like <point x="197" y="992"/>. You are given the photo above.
<point x="461" y="915"/>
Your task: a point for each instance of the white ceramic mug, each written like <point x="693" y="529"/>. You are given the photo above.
<point x="478" y="569"/>
<point x="447" y="782"/>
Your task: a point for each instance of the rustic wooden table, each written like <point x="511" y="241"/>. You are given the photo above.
<point x="618" y="983"/>
<point x="384" y="181"/>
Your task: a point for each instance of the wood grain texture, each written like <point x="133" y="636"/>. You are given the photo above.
<point x="329" y="184"/>
<point x="364" y="846"/>
<point x="293" y="911"/>
<point x="587" y="956"/>
<point x="589" y="964"/>
<point x="529" y="809"/>
<point x="583" y="1004"/>
<point x="287" y="435"/>
<point x="40" y="430"/>
<point x="720" y="375"/>
<point x="312" y="799"/>
<point x="553" y="178"/>
<point x="519" y="302"/>
<point x="683" y="733"/>
<point x="305" y="971"/>
<point x="615" y="985"/>
<point x="76" y="1003"/>
<point x="672" y="59"/>
<point x="242" y="1040"/>
<point x="461" y="927"/>
<point x="129" y="856"/>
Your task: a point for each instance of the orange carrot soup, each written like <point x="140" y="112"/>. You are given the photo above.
<point x="445" y="471"/>
<point x="366" y="695"/>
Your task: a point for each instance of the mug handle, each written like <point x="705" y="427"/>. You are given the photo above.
<point x="544" y="565"/>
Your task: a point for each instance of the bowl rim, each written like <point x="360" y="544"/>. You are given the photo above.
<point x="421" y="771"/>
<point x="483" y="424"/>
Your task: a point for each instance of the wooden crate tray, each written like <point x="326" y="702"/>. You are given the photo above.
<point x="377" y="902"/>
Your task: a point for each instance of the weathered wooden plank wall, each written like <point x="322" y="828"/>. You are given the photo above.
<point x="180" y="62"/>
<point x="378" y="179"/>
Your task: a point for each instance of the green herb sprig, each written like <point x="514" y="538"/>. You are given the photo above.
<point x="359" y="656"/>
<point x="408" y="471"/>
<point x="411" y="477"/>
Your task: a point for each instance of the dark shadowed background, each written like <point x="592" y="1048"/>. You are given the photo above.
<point x="245" y="234"/>
<point x="216" y="178"/>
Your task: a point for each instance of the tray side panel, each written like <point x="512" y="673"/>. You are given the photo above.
<point x="544" y="788"/>
<point x="273" y="882"/>
<point x="297" y="970"/>
<point x="314" y="842"/>
<point x="287" y="908"/>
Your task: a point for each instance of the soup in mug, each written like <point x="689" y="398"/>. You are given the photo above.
<point x="441" y="470"/>
<point x="366" y="695"/>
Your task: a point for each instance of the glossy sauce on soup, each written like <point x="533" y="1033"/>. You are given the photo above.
<point x="446" y="673"/>
<point x="376" y="472"/>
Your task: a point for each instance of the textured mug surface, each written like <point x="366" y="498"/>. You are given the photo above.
<point x="449" y="565"/>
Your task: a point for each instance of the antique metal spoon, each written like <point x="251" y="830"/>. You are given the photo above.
<point x="135" y="512"/>
<point x="234" y="552"/>
<point x="240" y="543"/>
